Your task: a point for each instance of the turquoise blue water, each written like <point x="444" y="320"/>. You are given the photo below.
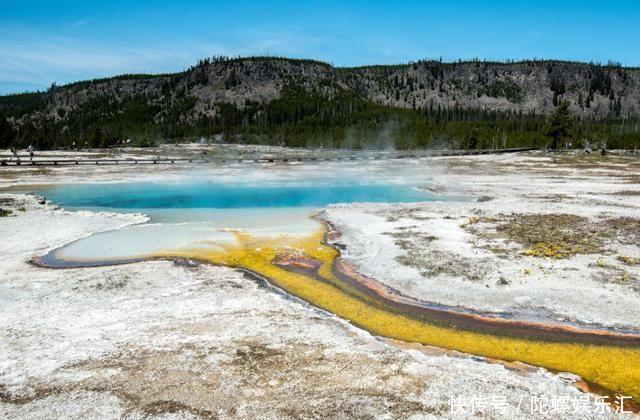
<point x="131" y="196"/>
<point x="193" y="215"/>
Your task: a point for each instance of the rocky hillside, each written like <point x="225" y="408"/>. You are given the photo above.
<point x="209" y="84"/>
<point x="529" y="86"/>
<point x="221" y="94"/>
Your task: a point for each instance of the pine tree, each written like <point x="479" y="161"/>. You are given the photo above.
<point x="561" y="125"/>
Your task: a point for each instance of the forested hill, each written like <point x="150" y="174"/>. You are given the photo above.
<point x="310" y="103"/>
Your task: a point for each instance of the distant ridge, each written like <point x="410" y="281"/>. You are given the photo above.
<point x="222" y="95"/>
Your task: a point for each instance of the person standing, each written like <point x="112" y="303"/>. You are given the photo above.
<point x="30" y="150"/>
<point x="14" y="154"/>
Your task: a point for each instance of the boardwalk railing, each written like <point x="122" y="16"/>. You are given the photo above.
<point x="260" y="159"/>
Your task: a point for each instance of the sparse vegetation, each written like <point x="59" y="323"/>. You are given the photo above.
<point x="626" y="228"/>
<point x="555" y="235"/>
<point x="552" y="235"/>
<point x="430" y="261"/>
<point x="629" y="260"/>
<point x="5" y="212"/>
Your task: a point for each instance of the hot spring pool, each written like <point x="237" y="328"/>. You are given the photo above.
<point x="138" y="196"/>
<point x="208" y="215"/>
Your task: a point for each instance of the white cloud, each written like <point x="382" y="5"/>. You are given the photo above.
<point x="42" y="58"/>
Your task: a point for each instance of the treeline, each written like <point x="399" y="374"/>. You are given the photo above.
<point x="300" y="117"/>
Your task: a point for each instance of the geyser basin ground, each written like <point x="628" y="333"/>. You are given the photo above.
<point x="292" y="255"/>
<point x="153" y="338"/>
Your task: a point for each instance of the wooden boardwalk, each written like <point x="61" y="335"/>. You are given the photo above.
<point x="7" y="163"/>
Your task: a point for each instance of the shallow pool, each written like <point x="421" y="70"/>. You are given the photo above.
<point x="208" y="215"/>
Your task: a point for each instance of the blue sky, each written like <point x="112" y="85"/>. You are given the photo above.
<point x="53" y="41"/>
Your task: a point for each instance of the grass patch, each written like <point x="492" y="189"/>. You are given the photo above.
<point x="629" y="260"/>
<point x="5" y="212"/>
<point x="552" y="235"/>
